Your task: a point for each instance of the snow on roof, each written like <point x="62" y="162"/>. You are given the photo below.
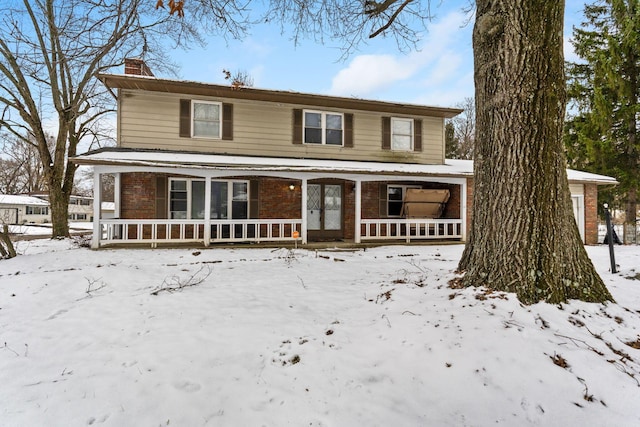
<point x="466" y="167"/>
<point x="153" y="158"/>
<point x="10" y="199"/>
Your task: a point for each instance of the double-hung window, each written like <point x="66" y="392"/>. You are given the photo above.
<point x="395" y="198"/>
<point x="206" y="119"/>
<point x="401" y="134"/>
<point x="179" y="198"/>
<point x="323" y="128"/>
<point x="186" y="198"/>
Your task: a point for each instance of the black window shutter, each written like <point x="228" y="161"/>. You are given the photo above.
<point x="162" y="207"/>
<point x="383" y="200"/>
<point x="348" y="130"/>
<point x="386" y="133"/>
<point x="417" y="135"/>
<point x="227" y="121"/>
<point x="185" y="118"/>
<point x="297" y="126"/>
<point x="254" y="198"/>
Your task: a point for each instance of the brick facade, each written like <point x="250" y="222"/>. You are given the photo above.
<point x="591" y="214"/>
<point x="138" y="195"/>
<point x="277" y="200"/>
<point x="139" y="200"/>
<point x="469" y="204"/>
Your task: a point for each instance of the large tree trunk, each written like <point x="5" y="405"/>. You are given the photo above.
<point x="59" y="203"/>
<point x="524" y="238"/>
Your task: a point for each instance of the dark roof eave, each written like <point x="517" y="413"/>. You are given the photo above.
<point x="154" y="84"/>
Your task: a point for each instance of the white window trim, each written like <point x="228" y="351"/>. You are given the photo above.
<point x="411" y="137"/>
<point x="220" y="118"/>
<point x="229" y="183"/>
<point x="404" y="190"/>
<point x="188" y="190"/>
<point x="323" y="124"/>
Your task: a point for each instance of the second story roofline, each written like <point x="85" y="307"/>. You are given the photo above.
<point x="155" y="84"/>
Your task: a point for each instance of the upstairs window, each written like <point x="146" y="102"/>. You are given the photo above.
<point x="206" y="119"/>
<point x="401" y="134"/>
<point x="323" y="128"/>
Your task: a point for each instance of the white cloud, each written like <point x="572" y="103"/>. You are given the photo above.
<point x="367" y="73"/>
<point x="446" y="66"/>
<point x="448" y="95"/>
<point x="444" y="55"/>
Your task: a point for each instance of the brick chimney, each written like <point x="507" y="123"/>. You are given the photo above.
<point x="136" y="66"/>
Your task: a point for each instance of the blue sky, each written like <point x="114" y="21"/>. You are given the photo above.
<point x="439" y="73"/>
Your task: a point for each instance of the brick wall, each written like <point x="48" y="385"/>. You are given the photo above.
<point x="277" y="200"/>
<point x="469" y="204"/>
<point x="591" y="214"/>
<point x="138" y="195"/>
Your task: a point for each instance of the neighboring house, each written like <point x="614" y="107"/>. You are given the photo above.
<point x="23" y="210"/>
<point x="80" y="207"/>
<point x="206" y="163"/>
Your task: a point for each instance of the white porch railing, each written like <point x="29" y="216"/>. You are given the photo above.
<point x="153" y="231"/>
<point x="254" y="230"/>
<point x="410" y="229"/>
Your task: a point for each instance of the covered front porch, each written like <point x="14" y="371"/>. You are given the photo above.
<point x="230" y="202"/>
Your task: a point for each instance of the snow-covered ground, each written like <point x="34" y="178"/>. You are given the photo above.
<point x="275" y="337"/>
<point x="45" y="228"/>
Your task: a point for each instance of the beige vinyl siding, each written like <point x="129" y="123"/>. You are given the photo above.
<point x="151" y="120"/>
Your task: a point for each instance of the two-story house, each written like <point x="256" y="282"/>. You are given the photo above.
<point x="199" y="162"/>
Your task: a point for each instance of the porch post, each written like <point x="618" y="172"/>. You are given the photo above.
<point x="97" y="205"/>
<point x="207" y="211"/>
<point x="116" y="195"/>
<point x="358" y="213"/>
<point x="304" y="211"/>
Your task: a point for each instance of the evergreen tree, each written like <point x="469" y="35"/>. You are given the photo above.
<point x="602" y="135"/>
<point x="450" y="141"/>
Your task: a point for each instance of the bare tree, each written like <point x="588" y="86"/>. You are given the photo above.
<point x="50" y="53"/>
<point x="20" y="168"/>
<point x="464" y="126"/>
<point x="238" y="79"/>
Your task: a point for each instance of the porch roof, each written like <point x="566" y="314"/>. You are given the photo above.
<point x="178" y="160"/>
